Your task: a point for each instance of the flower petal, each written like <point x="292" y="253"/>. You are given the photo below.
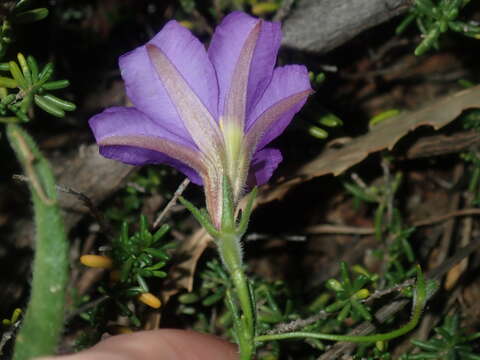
<point x="263" y="165"/>
<point x="127" y="135"/>
<point x="230" y="50"/>
<point x="190" y="58"/>
<point x="284" y="97"/>
<point x="195" y="116"/>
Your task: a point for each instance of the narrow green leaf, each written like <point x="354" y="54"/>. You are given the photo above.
<point x="158" y="253"/>
<point x="46" y="73"/>
<point x="344" y="312"/>
<point x="214" y="298"/>
<point x="32" y="64"/>
<point x="55" y="85"/>
<point x="245" y="216"/>
<point x="201" y="218"/>
<point x="317" y="132"/>
<point x="48" y="106"/>
<point x="31" y="16"/>
<point x="188" y="298"/>
<point x="4" y="66"/>
<point x="17" y="75"/>
<point x="25" y="70"/>
<point x="361" y="310"/>
<point x="22" y="5"/>
<point x="228" y="211"/>
<point x="160" y="233"/>
<point x="8" y="82"/>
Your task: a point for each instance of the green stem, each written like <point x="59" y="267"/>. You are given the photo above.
<point x="420" y="299"/>
<point x="231" y="253"/>
<point x="43" y="321"/>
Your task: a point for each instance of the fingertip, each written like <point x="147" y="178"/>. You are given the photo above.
<point x="165" y="344"/>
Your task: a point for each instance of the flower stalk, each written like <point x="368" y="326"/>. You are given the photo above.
<point x="228" y="240"/>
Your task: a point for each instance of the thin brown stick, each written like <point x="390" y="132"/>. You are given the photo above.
<point x="440" y="218"/>
<point x="341" y="229"/>
<point x="181" y="188"/>
<point x="80" y="196"/>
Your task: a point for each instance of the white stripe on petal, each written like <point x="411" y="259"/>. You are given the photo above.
<point x="196" y="117"/>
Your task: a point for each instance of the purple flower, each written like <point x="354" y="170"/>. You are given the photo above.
<point x="208" y="114"/>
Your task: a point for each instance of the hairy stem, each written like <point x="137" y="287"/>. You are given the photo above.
<point x="231" y="254"/>
<point x="43" y="321"/>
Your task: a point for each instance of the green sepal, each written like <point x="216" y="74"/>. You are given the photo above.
<point x="245" y="216"/>
<point x="228" y="211"/>
<point x="200" y="216"/>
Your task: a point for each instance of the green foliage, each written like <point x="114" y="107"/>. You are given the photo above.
<point x="274" y="304"/>
<point x="471" y="121"/>
<point x="136" y="258"/>
<point x="349" y="295"/>
<point x="215" y="282"/>
<point x="435" y="17"/>
<point x="139" y="256"/>
<point x="17" y="12"/>
<point x="26" y="85"/>
<point x="382" y="196"/>
<point x="145" y="183"/>
<point x="43" y="321"/>
<point x="13" y="318"/>
<point x="450" y="342"/>
<point x="321" y="119"/>
<point x="389" y="227"/>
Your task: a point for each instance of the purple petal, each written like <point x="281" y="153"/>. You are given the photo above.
<point x="127" y="135"/>
<point x="234" y="36"/>
<point x="284" y="97"/>
<point x="200" y="124"/>
<point x="190" y="58"/>
<point x="263" y="164"/>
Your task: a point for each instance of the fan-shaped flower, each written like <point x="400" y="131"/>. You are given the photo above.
<point x="208" y="114"/>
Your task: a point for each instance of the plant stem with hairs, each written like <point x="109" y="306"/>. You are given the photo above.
<point x="43" y="321"/>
